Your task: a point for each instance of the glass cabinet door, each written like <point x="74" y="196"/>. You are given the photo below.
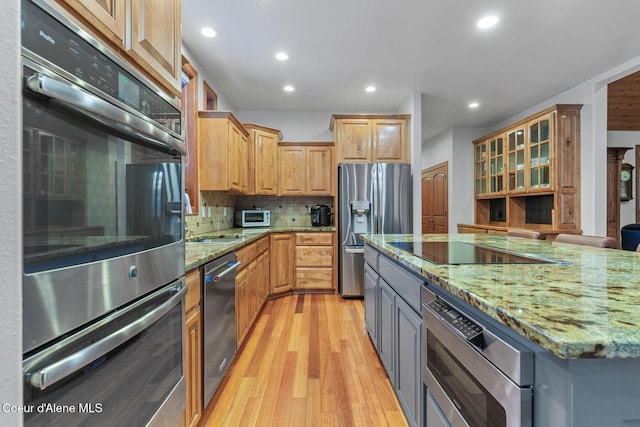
<point x="515" y="141"/>
<point x="496" y="162"/>
<point x="539" y="164"/>
<point x="480" y="171"/>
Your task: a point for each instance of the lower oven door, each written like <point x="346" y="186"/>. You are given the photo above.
<point x="469" y="389"/>
<point x="126" y="369"/>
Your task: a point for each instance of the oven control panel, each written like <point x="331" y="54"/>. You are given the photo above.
<point x="470" y="330"/>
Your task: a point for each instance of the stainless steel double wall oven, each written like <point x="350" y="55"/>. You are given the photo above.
<point x="103" y="251"/>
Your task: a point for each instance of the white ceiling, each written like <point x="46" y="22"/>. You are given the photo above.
<point x="337" y="47"/>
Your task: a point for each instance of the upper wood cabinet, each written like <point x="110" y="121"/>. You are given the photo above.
<point x="306" y="169"/>
<point x="222" y="152"/>
<point x="528" y="174"/>
<point x="146" y="31"/>
<point x="263" y="159"/>
<point x="155" y="41"/>
<point x="371" y="138"/>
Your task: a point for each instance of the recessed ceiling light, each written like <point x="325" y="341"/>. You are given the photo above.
<point x="487" y="22"/>
<point x="370" y="88"/>
<point x="289" y="88"/>
<point x="282" y="56"/>
<point x="473" y="105"/>
<point x="208" y="32"/>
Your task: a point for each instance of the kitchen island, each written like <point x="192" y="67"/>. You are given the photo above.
<point x="577" y="307"/>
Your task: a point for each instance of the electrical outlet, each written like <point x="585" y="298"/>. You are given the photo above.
<point x="224" y="211"/>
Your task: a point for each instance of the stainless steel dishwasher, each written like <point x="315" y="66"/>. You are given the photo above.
<point x="219" y="321"/>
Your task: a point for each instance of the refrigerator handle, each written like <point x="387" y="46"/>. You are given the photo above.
<point x="374" y="198"/>
<point x="382" y="191"/>
<point x="354" y="250"/>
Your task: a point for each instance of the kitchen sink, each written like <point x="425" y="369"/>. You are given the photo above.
<point x="217" y="239"/>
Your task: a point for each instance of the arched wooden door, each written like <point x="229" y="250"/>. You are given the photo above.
<point x="435" y="199"/>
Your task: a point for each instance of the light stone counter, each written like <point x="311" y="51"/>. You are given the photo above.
<point x="585" y="306"/>
<point x="197" y="254"/>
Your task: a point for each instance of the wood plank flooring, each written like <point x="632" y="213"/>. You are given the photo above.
<point x="307" y="362"/>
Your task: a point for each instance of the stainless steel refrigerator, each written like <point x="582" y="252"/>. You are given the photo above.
<point x="372" y="198"/>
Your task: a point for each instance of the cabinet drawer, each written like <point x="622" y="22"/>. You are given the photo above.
<point x="246" y="254"/>
<point x="314" y="278"/>
<point x="263" y="244"/>
<point x="314" y="239"/>
<point x="314" y="256"/>
<point x="371" y="257"/>
<point x="408" y="286"/>
<point x="192" y="281"/>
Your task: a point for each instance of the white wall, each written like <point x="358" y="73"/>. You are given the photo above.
<point x="296" y="126"/>
<point x="10" y="213"/>
<point x="454" y="146"/>
<point x="223" y="102"/>
<point x="413" y="106"/>
<point x="627" y="139"/>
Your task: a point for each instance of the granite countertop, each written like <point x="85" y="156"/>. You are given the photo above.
<point x="584" y="306"/>
<point x="197" y="253"/>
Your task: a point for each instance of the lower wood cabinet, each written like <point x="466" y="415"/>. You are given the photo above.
<point x="252" y="282"/>
<point x="282" y="250"/>
<point x="193" y="349"/>
<point x="314" y="260"/>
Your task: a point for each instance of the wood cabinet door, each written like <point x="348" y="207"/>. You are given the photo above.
<point x="319" y="171"/>
<point x="242" y="305"/>
<point x="155" y="41"/>
<point x="435" y="199"/>
<point x="282" y="251"/>
<point x="238" y="173"/>
<point x="266" y="163"/>
<point x="292" y="171"/>
<point x="193" y="367"/>
<point x="390" y="142"/>
<point x="107" y="16"/>
<point x="354" y="140"/>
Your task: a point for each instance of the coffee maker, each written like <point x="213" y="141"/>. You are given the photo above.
<point x="321" y="215"/>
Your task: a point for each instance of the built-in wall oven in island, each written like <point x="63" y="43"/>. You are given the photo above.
<point x="474" y="375"/>
<point x="103" y="240"/>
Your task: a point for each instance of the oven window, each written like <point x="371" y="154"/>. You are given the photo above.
<point x="91" y="193"/>
<point x="124" y="388"/>
<point x="253" y="217"/>
<point x="475" y="403"/>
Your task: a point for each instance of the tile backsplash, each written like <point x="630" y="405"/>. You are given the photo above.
<point x="285" y="211"/>
<point x="212" y="216"/>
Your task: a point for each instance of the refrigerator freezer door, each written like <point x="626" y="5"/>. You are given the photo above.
<point x="354" y="201"/>
<point x="352" y="274"/>
<point x="392" y="199"/>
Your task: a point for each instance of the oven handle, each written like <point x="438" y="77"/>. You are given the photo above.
<point x="95" y="107"/>
<point x="61" y="369"/>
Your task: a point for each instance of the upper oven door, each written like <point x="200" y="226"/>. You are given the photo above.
<point x="102" y="180"/>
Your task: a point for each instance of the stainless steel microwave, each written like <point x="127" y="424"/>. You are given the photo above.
<point x="253" y="218"/>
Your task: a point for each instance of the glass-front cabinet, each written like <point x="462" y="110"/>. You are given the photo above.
<point x="516" y="161"/>
<point x="539" y="161"/>
<point x="480" y="170"/>
<point x="523" y="177"/>
<point x="489" y="167"/>
<point x="496" y="165"/>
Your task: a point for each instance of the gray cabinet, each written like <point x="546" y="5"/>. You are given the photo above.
<point x="408" y="374"/>
<point x="392" y="299"/>
<point x="434" y="416"/>
<point x="387" y="337"/>
<point x="370" y="298"/>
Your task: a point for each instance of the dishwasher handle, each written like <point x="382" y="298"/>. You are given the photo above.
<point x="216" y="278"/>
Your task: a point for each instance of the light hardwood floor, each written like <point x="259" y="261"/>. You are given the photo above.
<point x="307" y="362"/>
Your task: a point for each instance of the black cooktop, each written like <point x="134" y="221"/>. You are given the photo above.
<point x="464" y="253"/>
